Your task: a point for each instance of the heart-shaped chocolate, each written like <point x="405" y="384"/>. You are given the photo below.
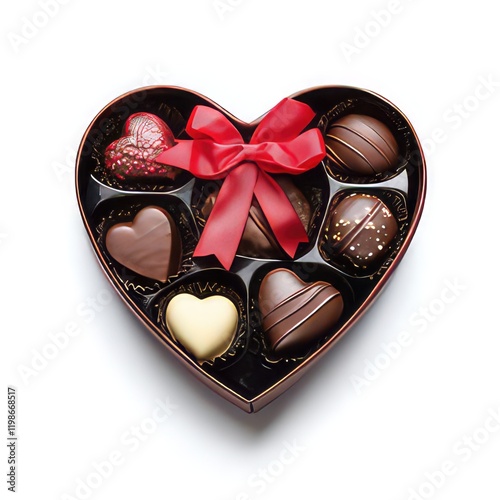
<point x="150" y="245"/>
<point x="133" y="155"/>
<point x="288" y="306"/>
<point x="205" y="327"/>
<point x="295" y="313"/>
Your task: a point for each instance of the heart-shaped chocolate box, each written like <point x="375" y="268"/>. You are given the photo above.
<point x="249" y="373"/>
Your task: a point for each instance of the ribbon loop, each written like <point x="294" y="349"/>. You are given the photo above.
<point x="218" y="151"/>
<point x="209" y="123"/>
<point x="284" y="122"/>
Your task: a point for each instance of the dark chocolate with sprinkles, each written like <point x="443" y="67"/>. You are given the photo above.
<point x="360" y="230"/>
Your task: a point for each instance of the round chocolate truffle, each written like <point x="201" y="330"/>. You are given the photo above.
<point x="359" y="230"/>
<point x="360" y="145"/>
<point x="258" y="240"/>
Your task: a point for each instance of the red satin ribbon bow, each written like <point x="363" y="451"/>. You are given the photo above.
<point x="218" y="151"/>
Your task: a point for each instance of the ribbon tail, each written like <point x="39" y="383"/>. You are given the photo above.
<point x="280" y="214"/>
<point x="226" y="223"/>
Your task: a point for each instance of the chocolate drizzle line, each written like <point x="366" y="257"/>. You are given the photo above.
<point x="321" y="288"/>
<point x="383" y="139"/>
<point x="353" y="149"/>
<point x="366" y="139"/>
<point x="341" y="163"/>
<point x="356" y="230"/>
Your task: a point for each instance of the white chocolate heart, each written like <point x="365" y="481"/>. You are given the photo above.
<point x="205" y="327"/>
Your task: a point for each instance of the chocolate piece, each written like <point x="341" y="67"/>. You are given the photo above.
<point x="133" y="155"/>
<point x="295" y="313"/>
<point x="150" y="245"/>
<point x="360" y="145"/>
<point x="258" y="240"/>
<point x="360" y="230"/>
<point x="205" y="327"/>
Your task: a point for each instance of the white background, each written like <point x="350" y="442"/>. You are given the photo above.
<point x="433" y="404"/>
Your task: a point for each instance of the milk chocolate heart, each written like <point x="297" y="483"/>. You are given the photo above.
<point x="295" y="313"/>
<point x="205" y="327"/>
<point x="149" y="245"/>
<point x="293" y="322"/>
